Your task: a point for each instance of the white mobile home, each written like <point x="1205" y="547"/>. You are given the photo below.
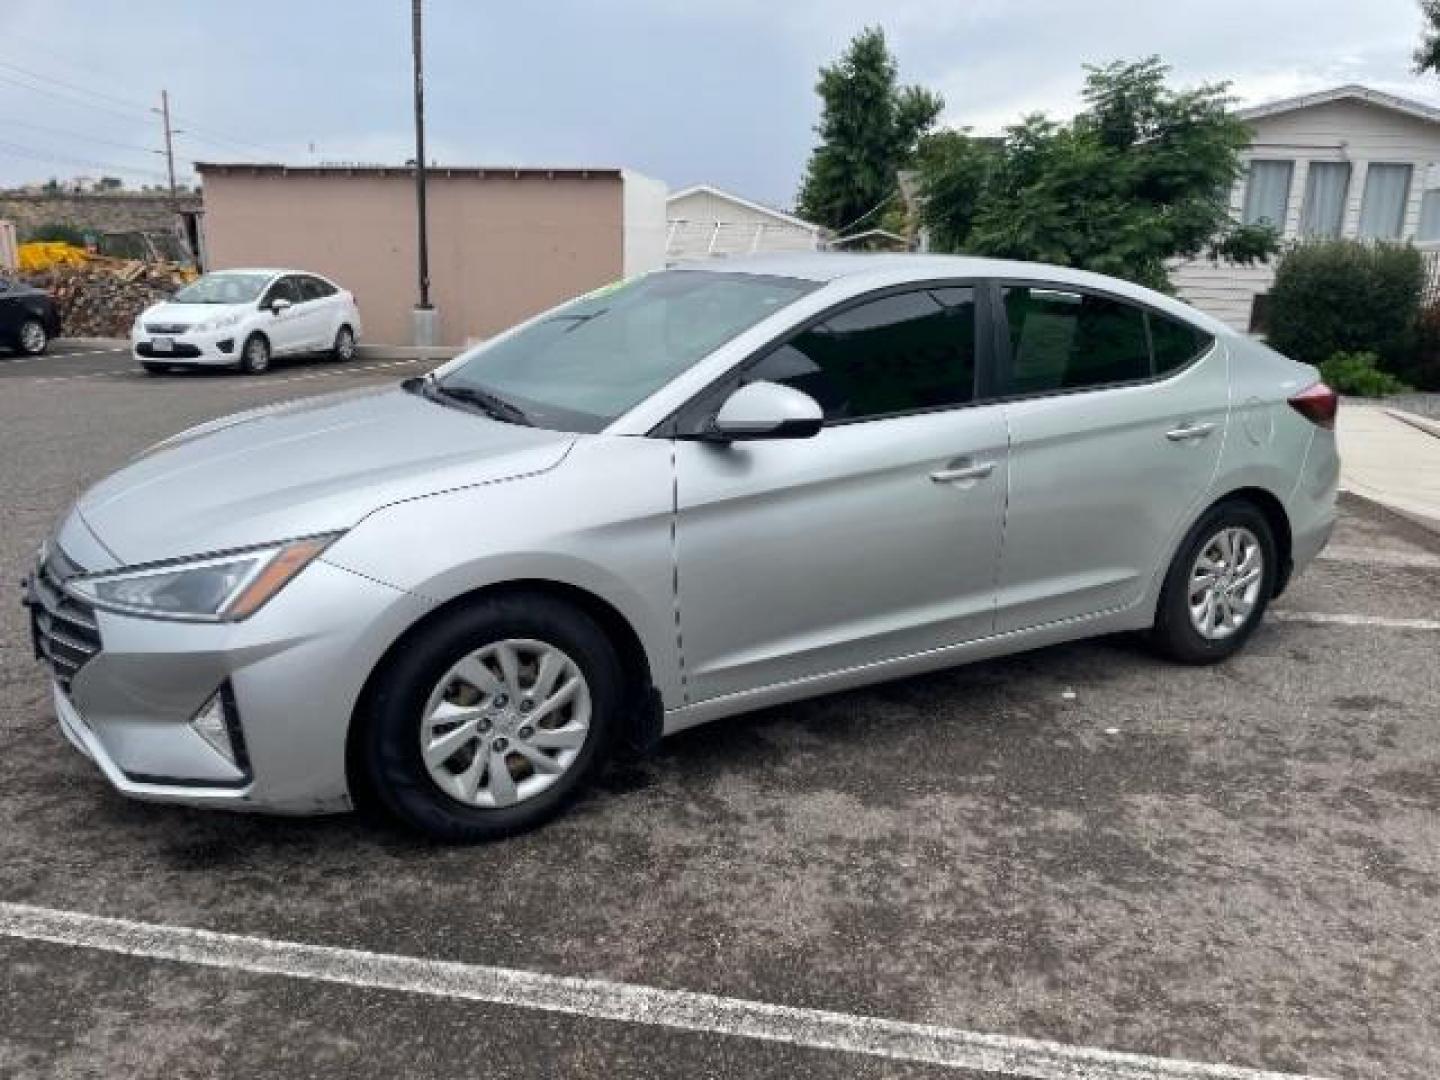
<point x="1349" y="162"/>
<point x="705" y="221"/>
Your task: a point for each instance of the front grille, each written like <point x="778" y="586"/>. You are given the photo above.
<point x="166" y="328"/>
<point x="66" y="633"/>
<point x="181" y="349"/>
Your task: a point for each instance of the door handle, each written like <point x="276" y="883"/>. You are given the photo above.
<point x="1186" y="432"/>
<point x="978" y="471"/>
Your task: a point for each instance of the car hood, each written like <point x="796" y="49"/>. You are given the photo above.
<point x="300" y="468"/>
<point x="168" y="311"/>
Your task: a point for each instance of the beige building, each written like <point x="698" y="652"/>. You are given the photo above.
<point x="1349" y="162"/>
<point x="505" y="243"/>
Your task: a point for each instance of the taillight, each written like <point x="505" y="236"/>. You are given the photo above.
<point x="1318" y="404"/>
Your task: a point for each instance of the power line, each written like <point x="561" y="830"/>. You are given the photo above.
<point x="121" y="107"/>
<point x="60" y="159"/>
<point x="11" y="121"/>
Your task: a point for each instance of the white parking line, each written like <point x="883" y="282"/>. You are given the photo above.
<point x="1418" y="560"/>
<point x="1340" y="619"/>
<point x="681" y="1010"/>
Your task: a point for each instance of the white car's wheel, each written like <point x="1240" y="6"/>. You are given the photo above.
<point x="344" y="347"/>
<point x="255" y="356"/>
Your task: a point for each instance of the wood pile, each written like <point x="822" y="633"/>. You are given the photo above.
<point x="102" y="297"/>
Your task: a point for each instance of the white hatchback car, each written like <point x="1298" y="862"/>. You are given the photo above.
<point x="243" y="318"/>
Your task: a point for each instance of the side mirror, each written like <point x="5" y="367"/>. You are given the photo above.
<point x="766" y="410"/>
<point x="279" y="304"/>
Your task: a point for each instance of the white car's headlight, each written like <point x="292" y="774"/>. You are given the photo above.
<point x="220" y="588"/>
<point x="220" y="322"/>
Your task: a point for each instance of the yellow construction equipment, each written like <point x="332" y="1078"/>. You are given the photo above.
<point x="48" y="254"/>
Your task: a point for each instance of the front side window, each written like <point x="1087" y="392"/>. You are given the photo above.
<point x="1382" y="208"/>
<point x="1267" y="192"/>
<point x="902" y="353"/>
<point x="587" y="362"/>
<point x="223" y="288"/>
<point x="284" y="289"/>
<point x="312" y="288"/>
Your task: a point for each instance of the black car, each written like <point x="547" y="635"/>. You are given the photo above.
<point x="28" y="318"/>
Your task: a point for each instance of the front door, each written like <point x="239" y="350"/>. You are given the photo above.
<point x="877" y="538"/>
<point x="285" y="329"/>
<point x="1117" y="420"/>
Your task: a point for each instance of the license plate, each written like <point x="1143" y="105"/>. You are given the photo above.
<point x="163" y="344"/>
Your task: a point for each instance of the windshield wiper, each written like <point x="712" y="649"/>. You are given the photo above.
<point x="493" y="405"/>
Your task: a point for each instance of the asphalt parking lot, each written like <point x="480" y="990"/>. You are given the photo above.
<point x="1237" y="866"/>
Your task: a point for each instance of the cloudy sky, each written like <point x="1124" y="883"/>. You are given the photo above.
<point x="720" y="92"/>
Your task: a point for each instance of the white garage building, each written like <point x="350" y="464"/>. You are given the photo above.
<point x="705" y="221"/>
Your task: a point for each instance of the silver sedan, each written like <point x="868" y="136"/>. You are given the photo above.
<point x="693" y="494"/>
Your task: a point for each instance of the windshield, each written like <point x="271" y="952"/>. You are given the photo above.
<point x="589" y="361"/>
<point x="223" y="289"/>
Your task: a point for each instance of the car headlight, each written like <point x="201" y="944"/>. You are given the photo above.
<point x="219" y="322"/>
<point x="219" y="588"/>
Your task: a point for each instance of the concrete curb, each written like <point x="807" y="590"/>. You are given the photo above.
<point x="1430" y="427"/>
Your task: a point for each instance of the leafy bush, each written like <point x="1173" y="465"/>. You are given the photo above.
<point x="1344" y="296"/>
<point x="1358" y="373"/>
<point x="1423" y="371"/>
<point x="62" y="231"/>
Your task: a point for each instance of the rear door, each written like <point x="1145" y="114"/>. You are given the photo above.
<point x="318" y="312"/>
<point x="1117" y="415"/>
<point x="877" y="538"/>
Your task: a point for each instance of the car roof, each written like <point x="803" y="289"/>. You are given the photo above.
<point x="879" y="270"/>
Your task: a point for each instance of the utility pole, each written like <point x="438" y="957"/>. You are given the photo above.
<point x="424" y="320"/>
<point x="164" y="112"/>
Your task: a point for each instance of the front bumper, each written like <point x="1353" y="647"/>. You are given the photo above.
<point x="215" y="347"/>
<point x="294" y="671"/>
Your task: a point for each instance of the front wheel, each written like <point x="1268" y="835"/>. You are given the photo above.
<point x="489" y="720"/>
<point x="1218" y="585"/>
<point x="33" y="337"/>
<point x="255" y="356"/>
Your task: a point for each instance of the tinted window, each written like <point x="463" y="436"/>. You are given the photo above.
<point x="283" y="289"/>
<point x="1175" y="343"/>
<point x="1064" y="340"/>
<point x="312" y="288"/>
<point x="897" y="354"/>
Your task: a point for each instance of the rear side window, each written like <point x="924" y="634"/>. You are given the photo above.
<point x="1062" y="339"/>
<point x="1175" y="343"/>
<point x="902" y="353"/>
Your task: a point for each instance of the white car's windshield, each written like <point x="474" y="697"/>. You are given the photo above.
<point x="591" y="360"/>
<point x="226" y="288"/>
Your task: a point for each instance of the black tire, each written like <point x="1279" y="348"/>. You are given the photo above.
<point x="391" y="722"/>
<point x="255" y="355"/>
<point x="1174" y="634"/>
<point x="154" y="369"/>
<point x="32" y="339"/>
<point x="344" y="347"/>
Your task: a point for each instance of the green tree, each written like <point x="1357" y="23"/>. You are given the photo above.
<point x="1427" y="53"/>
<point x="1140" y="176"/>
<point x="868" y="129"/>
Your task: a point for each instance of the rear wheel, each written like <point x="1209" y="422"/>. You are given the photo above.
<point x="1218" y="585"/>
<point x="344" y="347"/>
<point x="33" y="338"/>
<point x="255" y="356"/>
<point x="490" y="719"/>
